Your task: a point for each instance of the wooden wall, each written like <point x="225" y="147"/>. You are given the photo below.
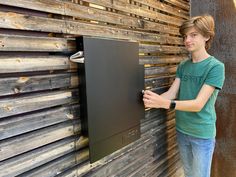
<point x="40" y="130"/>
<point x="224" y="47"/>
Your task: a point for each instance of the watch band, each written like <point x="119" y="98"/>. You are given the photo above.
<point x="172" y="104"/>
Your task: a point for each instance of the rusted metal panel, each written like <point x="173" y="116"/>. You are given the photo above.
<point x="223" y="48"/>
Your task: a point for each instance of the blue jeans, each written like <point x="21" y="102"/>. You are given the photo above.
<point x="196" y="155"/>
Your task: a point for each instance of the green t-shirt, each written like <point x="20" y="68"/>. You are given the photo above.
<point x="192" y="77"/>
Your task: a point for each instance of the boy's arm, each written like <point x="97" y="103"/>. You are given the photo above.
<point x="153" y="100"/>
<point x="197" y="104"/>
<point x="173" y="90"/>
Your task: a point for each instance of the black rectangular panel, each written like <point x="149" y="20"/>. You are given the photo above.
<point x="111" y="81"/>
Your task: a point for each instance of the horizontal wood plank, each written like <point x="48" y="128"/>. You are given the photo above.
<point x="164" y="8"/>
<point x="25" y="123"/>
<point x="164" y="164"/>
<point x="40" y="125"/>
<point x="161" y="59"/>
<point x="17" y="64"/>
<point x="42" y="5"/>
<point x="20" y="144"/>
<point x="76" y="11"/>
<point x="138" y="166"/>
<point x="11" y="20"/>
<point x="11" y="43"/>
<point x="26" y="43"/>
<point x="61" y="167"/>
<point x="122" y="5"/>
<point x="179" y="3"/>
<point x="23" y="104"/>
<point x="33" y="23"/>
<point x="90" y="13"/>
<point x="161" y="49"/>
<point x="26" y="84"/>
<point x="40" y="156"/>
<point x="159" y="81"/>
<point x="160" y="70"/>
<point x="114" y="32"/>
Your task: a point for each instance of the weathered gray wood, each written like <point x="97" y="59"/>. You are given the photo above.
<point x="26" y="43"/>
<point x="161" y="49"/>
<point x="167" y="59"/>
<point x="23" y="43"/>
<point x="33" y="23"/>
<point x="29" y="141"/>
<point x="165" y="164"/>
<point x="11" y="20"/>
<point x="178" y="171"/>
<point x="59" y="166"/>
<point x="90" y="13"/>
<point x="129" y="163"/>
<point x="122" y="5"/>
<point x="159" y="82"/>
<point x="41" y="156"/>
<point x="23" y="104"/>
<point x="166" y="167"/>
<point x="25" y="84"/>
<point x="36" y="121"/>
<point x="114" y="32"/>
<point x="180" y="3"/>
<point x="25" y="123"/>
<point x="152" y="71"/>
<point x="18" y="21"/>
<point x="143" y="165"/>
<point x="164" y="7"/>
<point x="161" y="156"/>
<point x="42" y="5"/>
<point x="16" y="64"/>
<point x="153" y="122"/>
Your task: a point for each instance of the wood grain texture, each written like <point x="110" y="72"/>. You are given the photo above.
<point x="33" y="23"/>
<point x="17" y="64"/>
<point x="21" y="144"/>
<point x="41" y="156"/>
<point x="40" y="128"/>
<point x="26" y="84"/>
<point x="23" y="104"/>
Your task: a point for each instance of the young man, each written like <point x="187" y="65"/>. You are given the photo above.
<point x="193" y="95"/>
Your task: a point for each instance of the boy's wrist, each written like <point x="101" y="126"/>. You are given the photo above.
<point x="168" y="103"/>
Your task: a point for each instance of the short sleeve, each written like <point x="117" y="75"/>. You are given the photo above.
<point x="216" y="76"/>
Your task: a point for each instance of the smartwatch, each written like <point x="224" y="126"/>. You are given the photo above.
<point x="172" y="104"/>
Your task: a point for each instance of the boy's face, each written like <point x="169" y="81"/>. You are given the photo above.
<point x="194" y="41"/>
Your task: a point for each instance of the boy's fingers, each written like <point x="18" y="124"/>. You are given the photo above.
<point x="149" y="92"/>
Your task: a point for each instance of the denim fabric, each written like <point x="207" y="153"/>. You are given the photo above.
<point x="196" y="155"/>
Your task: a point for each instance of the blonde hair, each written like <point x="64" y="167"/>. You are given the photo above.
<point x="203" y="24"/>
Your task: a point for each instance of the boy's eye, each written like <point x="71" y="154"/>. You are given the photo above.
<point x="194" y="35"/>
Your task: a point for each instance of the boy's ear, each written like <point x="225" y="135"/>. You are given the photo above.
<point x="207" y="38"/>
